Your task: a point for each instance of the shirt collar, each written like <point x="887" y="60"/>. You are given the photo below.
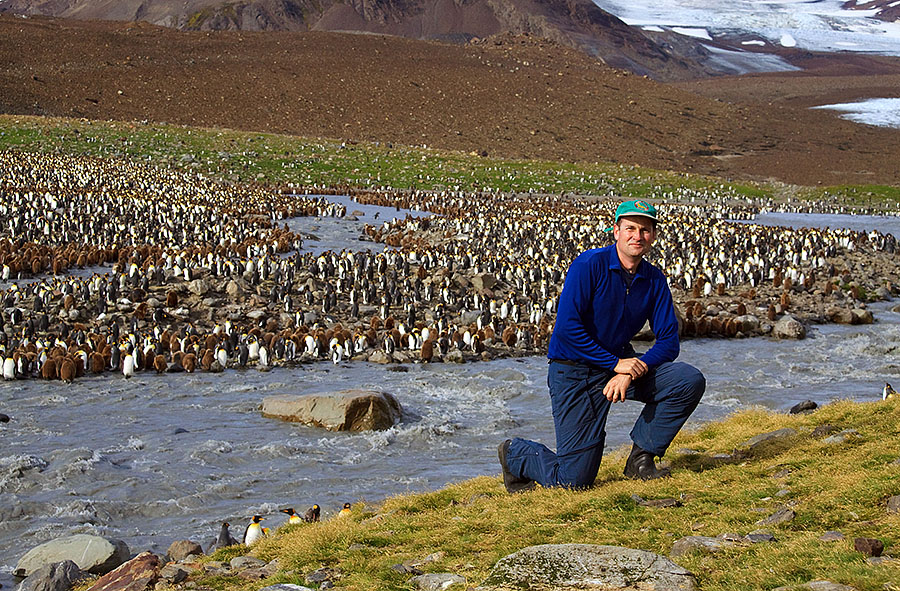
<point x="615" y="263"/>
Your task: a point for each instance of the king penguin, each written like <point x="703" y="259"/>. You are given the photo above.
<point x="888" y="392"/>
<point x="292" y="516"/>
<point x="345" y="510"/>
<point x="254" y="531"/>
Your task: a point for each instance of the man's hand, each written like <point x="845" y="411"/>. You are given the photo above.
<point x="631" y="366"/>
<point x="615" y="388"/>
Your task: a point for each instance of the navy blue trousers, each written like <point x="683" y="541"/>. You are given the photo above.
<point x="670" y="393"/>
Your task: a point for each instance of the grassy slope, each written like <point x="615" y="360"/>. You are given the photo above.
<point x="242" y="156"/>
<point x="841" y="487"/>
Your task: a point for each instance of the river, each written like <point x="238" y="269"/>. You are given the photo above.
<point x="163" y="457"/>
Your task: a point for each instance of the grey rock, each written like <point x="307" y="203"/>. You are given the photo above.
<point x="310" y="318"/>
<point x="199" y="287"/>
<point x="842" y="437"/>
<point x="748" y="323"/>
<point x="242" y="562"/>
<point x="789" y="327"/>
<point x="437" y="581"/>
<point x="59" y="576"/>
<point x="758" y="537"/>
<point x="893" y="504"/>
<point x="804" y="407"/>
<point x="172" y="573"/>
<point x="256" y="315"/>
<point x="94" y="554"/>
<point x="818" y="585"/>
<point x="770" y="437"/>
<point x="406" y="569"/>
<point x="180" y="549"/>
<point x="346" y="410"/>
<point x="286" y="587"/>
<point x="580" y="566"/>
<point x="823" y="430"/>
<point x="484" y="281"/>
<point x="233" y="289"/>
<point x="454" y="356"/>
<point x="862" y="316"/>
<point x="832" y="536"/>
<point x="876" y="560"/>
<point x="380" y="357"/>
<point x="781" y="516"/>
<point x="705" y="544"/>
<point x="321" y="575"/>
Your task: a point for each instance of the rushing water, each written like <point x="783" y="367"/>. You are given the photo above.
<point x="163" y="457"/>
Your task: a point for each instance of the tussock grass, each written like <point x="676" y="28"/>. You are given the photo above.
<point x="473" y="524"/>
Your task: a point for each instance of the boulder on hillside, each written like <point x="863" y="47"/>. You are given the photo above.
<point x="347" y="410"/>
<point x="94" y="554"/>
<point x="181" y="549"/>
<point x="587" y="566"/>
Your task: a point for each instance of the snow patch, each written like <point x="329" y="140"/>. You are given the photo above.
<point x="651" y="28"/>
<point x="788" y="40"/>
<point x="692" y="32"/>
<point x="754" y="42"/>
<point x="882" y="112"/>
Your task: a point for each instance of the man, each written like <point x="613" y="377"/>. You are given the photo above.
<point x="608" y="295"/>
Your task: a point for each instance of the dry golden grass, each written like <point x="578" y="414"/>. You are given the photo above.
<point x="473" y="524"/>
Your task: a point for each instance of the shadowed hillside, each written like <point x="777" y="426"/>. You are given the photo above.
<point x="507" y="96"/>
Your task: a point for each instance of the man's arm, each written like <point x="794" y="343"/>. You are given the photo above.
<point x="664" y="325"/>
<point x="576" y="304"/>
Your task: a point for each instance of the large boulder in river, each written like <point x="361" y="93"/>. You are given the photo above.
<point x="587" y="566"/>
<point x="59" y="576"/>
<point x="789" y="327"/>
<point x="347" y="410"/>
<point x="91" y="553"/>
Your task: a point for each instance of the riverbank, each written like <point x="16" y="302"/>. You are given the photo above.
<point x="779" y="512"/>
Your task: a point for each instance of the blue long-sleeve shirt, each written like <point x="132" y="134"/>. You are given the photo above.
<point x="599" y="314"/>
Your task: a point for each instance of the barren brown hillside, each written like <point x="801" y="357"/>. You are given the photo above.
<point x="516" y="97"/>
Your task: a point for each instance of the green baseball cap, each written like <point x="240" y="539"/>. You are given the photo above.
<point x="638" y="207"/>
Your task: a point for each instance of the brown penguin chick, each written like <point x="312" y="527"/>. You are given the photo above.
<point x="189" y="362"/>
<point x="140" y="312"/>
<point x="67" y="370"/>
<point x="509" y="336"/>
<point x="48" y="370"/>
<point x="210" y="342"/>
<point x="159" y="364"/>
<point x="375" y="323"/>
<point x="78" y="359"/>
<point x="68" y="302"/>
<point x="389" y="323"/>
<point x="172" y="299"/>
<point x="174" y="344"/>
<point x="427" y="351"/>
<point x="489" y="333"/>
<point x="98" y="362"/>
<point x="207" y="359"/>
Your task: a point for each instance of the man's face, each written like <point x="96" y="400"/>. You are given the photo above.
<point x="634" y="235"/>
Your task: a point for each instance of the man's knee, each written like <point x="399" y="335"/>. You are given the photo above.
<point x="692" y="381"/>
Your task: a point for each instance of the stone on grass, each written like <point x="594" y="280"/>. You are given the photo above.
<point x="138" y="574"/>
<point x="818" y="585"/>
<point x="437" y="581"/>
<point x="242" y="562"/>
<point x="868" y="546"/>
<point x="346" y="410"/>
<point x="832" y="536"/>
<point x="286" y="587"/>
<point x="181" y="549"/>
<point x="94" y="554"/>
<point x="842" y="437"/>
<point x="581" y="566"/>
<point x="59" y="576"/>
<point x="783" y="515"/>
<point x="824" y="430"/>
<point x="762" y="439"/>
<point x="704" y="544"/>
<point x="893" y="504"/>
